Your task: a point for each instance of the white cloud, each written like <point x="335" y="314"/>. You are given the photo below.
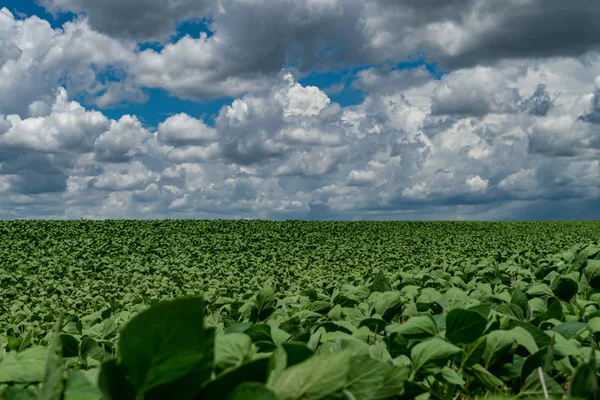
<point x="476" y="184"/>
<point x="183" y="129"/>
<point x="38" y="57"/>
<point x="123" y="177"/>
<point x="122" y="141"/>
<point x="68" y="127"/>
<point x="504" y="132"/>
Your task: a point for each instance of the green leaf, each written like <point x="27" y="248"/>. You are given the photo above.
<point x="252" y="391"/>
<point x="113" y="383"/>
<point x="379" y="351"/>
<point x="450" y="376"/>
<point x="167" y="343"/>
<point x="584" y="382"/>
<point x="541" y="338"/>
<point x="486" y="377"/>
<point x="431" y="351"/>
<point x="498" y="344"/>
<point x="79" y="387"/>
<point x="386" y="304"/>
<point x="259" y="333"/>
<point x="224" y="384"/>
<point x="539" y="359"/>
<point x="70" y="345"/>
<point x="519" y="299"/>
<point x="570" y="329"/>
<point x="318" y="377"/>
<point x="296" y="353"/>
<point x="419" y="327"/>
<point x="525" y="339"/>
<point x="264" y="304"/>
<point x="56" y="373"/>
<point x="372" y="379"/>
<point x="592" y="273"/>
<point x="239" y="328"/>
<point x="231" y="350"/>
<point x="564" y="287"/>
<point x="473" y="352"/>
<point x="27" y="366"/>
<point x="374" y="324"/>
<point x="540" y="289"/>
<point x="537" y="384"/>
<point x="464" y="326"/>
<point x="380" y="283"/>
<point x="18" y="393"/>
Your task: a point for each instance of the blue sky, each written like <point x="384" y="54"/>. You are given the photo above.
<point x="298" y="109"/>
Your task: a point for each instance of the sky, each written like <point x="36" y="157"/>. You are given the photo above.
<point x="300" y="109"/>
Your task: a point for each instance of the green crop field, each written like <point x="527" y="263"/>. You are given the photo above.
<point x="299" y="310"/>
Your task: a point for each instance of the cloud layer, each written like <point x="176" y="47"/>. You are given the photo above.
<point x="508" y="133"/>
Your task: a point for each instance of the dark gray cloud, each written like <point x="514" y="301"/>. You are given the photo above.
<point x="140" y="20"/>
<point x="525" y="29"/>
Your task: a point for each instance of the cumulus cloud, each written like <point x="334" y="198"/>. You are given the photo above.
<point x="121" y="141"/>
<point x="463" y="33"/>
<point x="183" y="129"/>
<point x="35" y="57"/>
<point x="505" y="131"/>
<point x="68" y="127"/>
<point x="120" y="178"/>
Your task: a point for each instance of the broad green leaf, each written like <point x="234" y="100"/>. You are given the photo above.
<point x="472" y="353"/>
<point x="431" y="351"/>
<point x="498" y="344"/>
<point x="56" y="373"/>
<point x="296" y="353"/>
<point x="537" y="384"/>
<point x="27" y="366"/>
<point x="316" y="378"/>
<point x="464" y="326"/>
<point x="379" y="352"/>
<point x="386" y="304"/>
<point x="450" y="376"/>
<point x="594" y="324"/>
<point x="18" y="393"/>
<point x="523" y="338"/>
<point x="369" y="379"/>
<point x="258" y="333"/>
<point x="584" y="382"/>
<point x="264" y="305"/>
<point x="252" y="391"/>
<point x="541" y="338"/>
<point x="564" y="287"/>
<point x="70" y="345"/>
<point x="415" y="328"/>
<point x="166" y="344"/>
<point x="231" y="350"/>
<point x="79" y="387"/>
<point x="540" y="359"/>
<point x="113" y="383"/>
<point x="224" y="384"/>
<point x="380" y="283"/>
<point x="592" y="273"/>
<point x="540" y="289"/>
<point x="570" y="329"/>
<point x="486" y="377"/>
<point x="519" y="299"/>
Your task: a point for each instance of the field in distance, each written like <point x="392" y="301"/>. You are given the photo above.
<point x="299" y="310"/>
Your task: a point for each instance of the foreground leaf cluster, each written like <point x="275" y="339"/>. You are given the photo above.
<point x="299" y="310"/>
